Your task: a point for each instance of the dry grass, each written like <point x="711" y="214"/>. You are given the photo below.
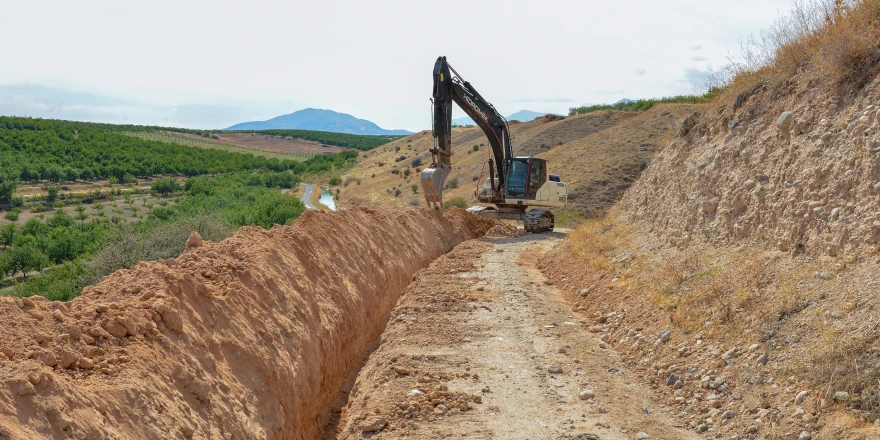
<point x="603" y="243"/>
<point x="839" y="38"/>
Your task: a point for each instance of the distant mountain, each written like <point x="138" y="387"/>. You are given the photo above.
<point x="321" y="120"/>
<point x="525" y="115"/>
<point x="522" y="116"/>
<point x="624" y="101"/>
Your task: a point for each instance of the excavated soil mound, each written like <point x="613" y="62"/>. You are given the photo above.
<point x="250" y="337"/>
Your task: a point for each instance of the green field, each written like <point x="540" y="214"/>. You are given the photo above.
<point x="187" y="141"/>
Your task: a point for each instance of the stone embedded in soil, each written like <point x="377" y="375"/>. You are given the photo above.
<point x="586" y="395"/>
<point x="642" y="435"/>
<point x="800" y="397"/>
<point x="26" y="389"/>
<point x="373" y="425"/>
<point x="841" y="395"/>
<point x="401" y="370"/>
<point x="555" y="369"/>
<point x="784" y="121"/>
<point x="664" y="337"/>
<point x="194" y="240"/>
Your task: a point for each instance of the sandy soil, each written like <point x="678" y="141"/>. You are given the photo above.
<point x="478" y="335"/>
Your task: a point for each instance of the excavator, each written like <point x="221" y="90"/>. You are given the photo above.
<point x="514" y="185"/>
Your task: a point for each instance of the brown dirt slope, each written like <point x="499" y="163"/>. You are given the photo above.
<point x="753" y="240"/>
<point x="599" y="154"/>
<point x="736" y="177"/>
<point x="250" y="337"/>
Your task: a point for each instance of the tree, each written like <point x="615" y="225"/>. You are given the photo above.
<point x="25" y="259"/>
<point x="7" y="235"/>
<point x="52" y="193"/>
<point x="8" y="184"/>
<point x="60" y="219"/>
<point x="17" y="201"/>
<point x="165" y="186"/>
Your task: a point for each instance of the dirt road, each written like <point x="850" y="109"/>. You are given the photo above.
<point x="480" y="347"/>
<point x="306" y="198"/>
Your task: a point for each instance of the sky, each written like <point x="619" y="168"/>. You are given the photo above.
<point x="212" y="64"/>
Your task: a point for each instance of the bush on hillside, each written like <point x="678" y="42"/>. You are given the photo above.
<point x="459" y="202"/>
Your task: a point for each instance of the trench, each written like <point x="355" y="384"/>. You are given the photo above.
<point x="333" y="418"/>
<point x="259" y="336"/>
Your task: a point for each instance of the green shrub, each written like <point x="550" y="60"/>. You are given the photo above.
<point x="165" y="186"/>
<point x="17" y="201"/>
<point x="452" y="183"/>
<point x="60" y="219"/>
<point x="455" y="201"/>
<point x="11" y="216"/>
<point x="52" y="193"/>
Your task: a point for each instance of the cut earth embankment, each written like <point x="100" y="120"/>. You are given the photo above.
<point x="250" y="337"/>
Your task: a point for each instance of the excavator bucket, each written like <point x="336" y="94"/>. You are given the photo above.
<point x="433" y="180"/>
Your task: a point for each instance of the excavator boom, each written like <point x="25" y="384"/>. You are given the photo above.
<point x="515" y="184"/>
<point x="449" y="87"/>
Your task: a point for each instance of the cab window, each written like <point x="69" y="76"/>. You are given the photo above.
<point x="516" y="179"/>
<point x="537" y="177"/>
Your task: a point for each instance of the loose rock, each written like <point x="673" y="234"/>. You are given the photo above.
<point x="373" y="425"/>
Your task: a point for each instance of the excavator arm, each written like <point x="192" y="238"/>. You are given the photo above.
<point x="449" y="87"/>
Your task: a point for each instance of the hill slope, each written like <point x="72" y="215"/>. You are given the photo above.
<point x="522" y="116"/>
<point x="320" y="120"/>
<point x="598" y="154"/>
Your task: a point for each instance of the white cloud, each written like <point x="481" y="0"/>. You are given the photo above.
<point x="259" y="59"/>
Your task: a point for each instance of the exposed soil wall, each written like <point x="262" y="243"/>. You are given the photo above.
<point x="789" y="165"/>
<point x="246" y="338"/>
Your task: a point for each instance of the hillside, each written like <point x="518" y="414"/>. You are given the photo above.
<point x="522" y="116"/>
<point x="598" y="154"/>
<point x="738" y="275"/>
<point x="320" y="120"/>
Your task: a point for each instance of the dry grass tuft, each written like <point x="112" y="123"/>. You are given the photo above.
<point x="841" y="38"/>
<point x="601" y="242"/>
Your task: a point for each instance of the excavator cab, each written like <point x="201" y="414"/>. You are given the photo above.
<point x="525" y="177"/>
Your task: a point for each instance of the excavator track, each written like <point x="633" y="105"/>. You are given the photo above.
<point x="538" y="220"/>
